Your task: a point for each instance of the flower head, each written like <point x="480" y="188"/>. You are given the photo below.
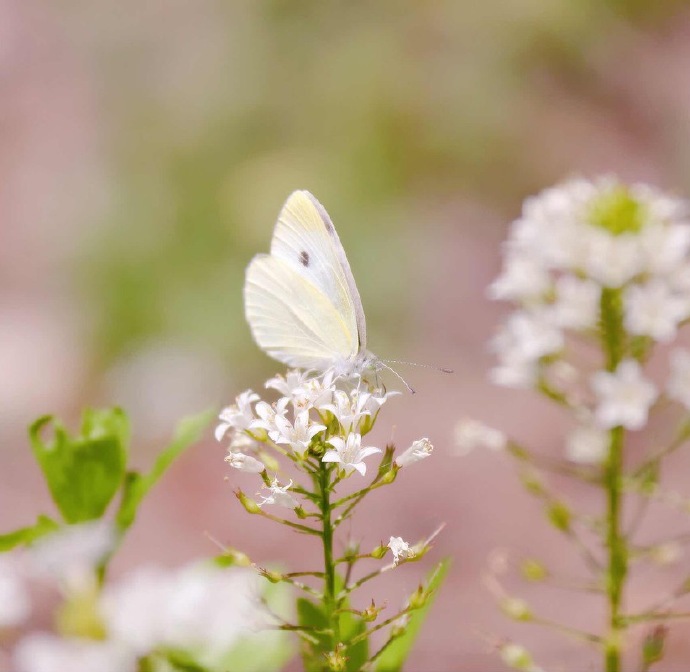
<point x="298" y="435"/>
<point x="419" y="450"/>
<point x="349" y="453"/>
<point x="238" y="416"/>
<point x="624" y="396"/>
<point x="471" y="434"/>
<point x="279" y="495"/>
<point x="400" y="549"/>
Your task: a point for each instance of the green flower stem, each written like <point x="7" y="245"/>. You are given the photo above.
<point x="613" y="338"/>
<point x="329" y="597"/>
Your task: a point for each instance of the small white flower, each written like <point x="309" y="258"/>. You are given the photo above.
<point x="523" y="278"/>
<point x="665" y="247"/>
<point x="42" y="652"/>
<point x="287" y="386"/>
<point x="349" y="409"/>
<point x="241" y="443"/>
<point x="279" y="495"/>
<point x="246" y="463"/>
<point x="72" y="553"/>
<point x="419" y="450"/>
<point x="266" y="414"/>
<point x="400" y="548"/>
<point x="471" y="434"/>
<point x="517" y="657"/>
<point x="349" y="453"/>
<point x="527" y="336"/>
<point x="612" y="260"/>
<point x="297" y="436"/>
<point x="239" y="416"/>
<point x="514" y="373"/>
<point x="624" y="397"/>
<point x="678" y="386"/>
<point x="653" y="310"/>
<point x="587" y="444"/>
<point x="314" y="393"/>
<point x="577" y="303"/>
<point x="197" y="608"/>
<point x="377" y="398"/>
<point x="15" y="605"/>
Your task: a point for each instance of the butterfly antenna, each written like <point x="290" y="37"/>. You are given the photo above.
<point x="425" y="366"/>
<point x="397" y="375"/>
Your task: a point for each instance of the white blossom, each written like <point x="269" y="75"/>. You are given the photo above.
<point x="43" y="652"/>
<point x="419" y="450"/>
<point x="624" y="397"/>
<point x="297" y="435"/>
<point x="587" y="444"/>
<point x="400" y="548"/>
<point x="523" y="278"/>
<point x="197" y="608"/>
<point x="15" y="605"/>
<point x="314" y="392"/>
<point x="612" y="260"/>
<point x="266" y="414"/>
<point x="527" y="336"/>
<point x="72" y="552"/>
<point x="678" y="386"/>
<point x="246" y="463"/>
<point x="577" y="303"/>
<point x="349" y="409"/>
<point x="654" y="310"/>
<point x="239" y="416"/>
<point x="471" y="434"/>
<point x="349" y="453"/>
<point x="279" y="495"/>
<point x="287" y="386"/>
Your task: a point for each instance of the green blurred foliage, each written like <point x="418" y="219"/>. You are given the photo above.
<point x="217" y="110"/>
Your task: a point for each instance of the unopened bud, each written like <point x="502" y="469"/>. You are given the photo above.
<point x="516" y="609"/>
<point x="533" y="570"/>
<point x="419" y="598"/>
<point x="336" y="660"/>
<point x="559" y="515"/>
<point x="379" y="552"/>
<point x="249" y="504"/>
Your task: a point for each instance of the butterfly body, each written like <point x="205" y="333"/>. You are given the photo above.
<point x="301" y="300"/>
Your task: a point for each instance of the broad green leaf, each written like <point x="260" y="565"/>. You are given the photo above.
<point x="394" y="656"/>
<point x="83" y="472"/>
<point x="137" y="486"/>
<point x="27" y="535"/>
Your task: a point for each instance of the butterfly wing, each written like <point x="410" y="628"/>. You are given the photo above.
<point x="292" y="319"/>
<point x="307" y="241"/>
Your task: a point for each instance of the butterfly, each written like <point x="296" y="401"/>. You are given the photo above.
<point x="301" y="300"/>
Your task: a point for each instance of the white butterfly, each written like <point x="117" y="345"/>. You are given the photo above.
<point x="301" y="300"/>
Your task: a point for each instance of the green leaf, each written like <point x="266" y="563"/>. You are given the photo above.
<point x="313" y="616"/>
<point x="394" y="656"/>
<point x="83" y="472"/>
<point x="137" y="486"/>
<point x="27" y="535"/>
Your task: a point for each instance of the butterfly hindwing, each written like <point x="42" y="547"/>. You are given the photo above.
<point x="306" y="239"/>
<point x="292" y="319"/>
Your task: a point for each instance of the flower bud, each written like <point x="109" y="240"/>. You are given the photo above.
<point x="517" y="609"/>
<point x="249" y="504"/>
<point x="560" y="516"/>
<point x="337" y="660"/>
<point x="517" y="657"/>
<point x="379" y="552"/>
<point x="533" y="570"/>
<point x="419" y="598"/>
<point x="246" y="463"/>
<point x="419" y="450"/>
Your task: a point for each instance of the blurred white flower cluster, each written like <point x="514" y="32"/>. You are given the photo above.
<point x="200" y="609"/>
<point x="337" y="410"/>
<point x="582" y="253"/>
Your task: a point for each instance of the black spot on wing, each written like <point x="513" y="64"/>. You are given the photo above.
<point x="304" y="258"/>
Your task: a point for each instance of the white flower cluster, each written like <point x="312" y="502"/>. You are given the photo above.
<point x="578" y="249"/>
<point x="339" y="410"/>
<point x="200" y="609"/>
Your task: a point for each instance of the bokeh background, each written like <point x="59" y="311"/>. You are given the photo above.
<point x="145" y="149"/>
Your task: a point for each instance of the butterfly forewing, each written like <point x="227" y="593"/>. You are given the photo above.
<point x="292" y="319"/>
<point x="306" y="239"/>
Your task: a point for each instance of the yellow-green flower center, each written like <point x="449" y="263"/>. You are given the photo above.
<point x="617" y="212"/>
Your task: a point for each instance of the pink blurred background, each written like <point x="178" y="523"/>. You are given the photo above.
<point x="146" y="148"/>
